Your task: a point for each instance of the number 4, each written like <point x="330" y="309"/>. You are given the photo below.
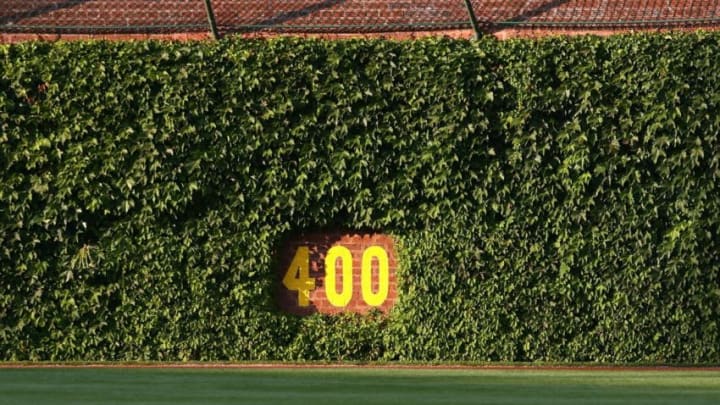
<point x="297" y="278"/>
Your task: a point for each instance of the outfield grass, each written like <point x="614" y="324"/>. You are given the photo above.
<point x="355" y="386"/>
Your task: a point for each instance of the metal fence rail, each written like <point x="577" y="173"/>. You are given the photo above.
<point x="345" y="16"/>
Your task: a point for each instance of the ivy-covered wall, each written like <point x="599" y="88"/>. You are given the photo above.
<point x="552" y="200"/>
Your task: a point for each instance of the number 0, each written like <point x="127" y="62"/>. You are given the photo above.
<point x="342" y="298"/>
<point x="375" y="299"/>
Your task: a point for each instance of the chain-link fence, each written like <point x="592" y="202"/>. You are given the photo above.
<point x="345" y="16"/>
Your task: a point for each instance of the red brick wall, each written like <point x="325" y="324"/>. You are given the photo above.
<point x="8" y="38"/>
<point x="457" y="34"/>
<point x="22" y="20"/>
<point x="319" y="244"/>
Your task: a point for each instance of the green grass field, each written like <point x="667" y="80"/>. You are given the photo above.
<point x="348" y="386"/>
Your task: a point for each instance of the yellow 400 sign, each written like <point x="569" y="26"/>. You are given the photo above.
<point x="354" y="274"/>
<point x="297" y="278"/>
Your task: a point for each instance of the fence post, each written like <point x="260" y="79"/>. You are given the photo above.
<point x="211" y="19"/>
<point x="473" y="19"/>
